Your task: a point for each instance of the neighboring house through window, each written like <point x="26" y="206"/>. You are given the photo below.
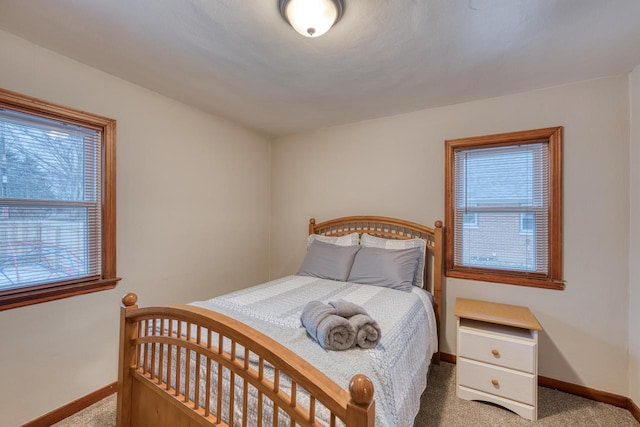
<point x="470" y="219"/>
<point x="504" y="208"/>
<point x="527" y="222"/>
<point x="57" y="201"/>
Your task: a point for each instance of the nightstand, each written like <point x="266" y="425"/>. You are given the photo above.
<point x="498" y="355"/>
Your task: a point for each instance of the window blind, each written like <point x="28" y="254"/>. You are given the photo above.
<point x="50" y="201"/>
<point x="501" y="207"/>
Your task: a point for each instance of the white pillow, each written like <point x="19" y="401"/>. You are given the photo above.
<point x="346" y="240"/>
<point x="367" y="240"/>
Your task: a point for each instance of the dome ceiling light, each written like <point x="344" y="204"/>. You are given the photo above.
<point x="311" y="18"/>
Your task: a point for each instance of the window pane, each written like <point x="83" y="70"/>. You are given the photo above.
<point x="45" y="244"/>
<point x="500" y="176"/>
<point x="498" y="191"/>
<point x="50" y="201"/>
<point x="46" y="160"/>
<point x="497" y="243"/>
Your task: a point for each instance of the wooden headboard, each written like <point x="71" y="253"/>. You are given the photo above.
<point x="393" y="228"/>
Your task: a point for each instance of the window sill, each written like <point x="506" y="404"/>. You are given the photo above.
<point x="535" y="282"/>
<point x="37" y="296"/>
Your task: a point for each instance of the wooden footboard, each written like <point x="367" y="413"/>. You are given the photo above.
<point x="187" y="366"/>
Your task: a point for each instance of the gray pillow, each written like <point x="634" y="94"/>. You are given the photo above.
<point x="328" y="261"/>
<point x="378" y="242"/>
<point x="391" y="268"/>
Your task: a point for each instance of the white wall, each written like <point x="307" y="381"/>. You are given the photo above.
<point x="193" y="222"/>
<point x="395" y="167"/>
<point x="634" y="233"/>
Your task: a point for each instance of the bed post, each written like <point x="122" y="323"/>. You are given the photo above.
<point x="128" y="332"/>
<point x="361" y="408"/>
<point x="312" y="225"/>
<point x="437" y="280"/>
<point x="437" y="267"/>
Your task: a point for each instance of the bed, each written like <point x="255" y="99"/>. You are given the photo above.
<point x="242" y="359"/>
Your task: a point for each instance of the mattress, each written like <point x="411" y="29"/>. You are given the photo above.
<point x="397" y="366"/>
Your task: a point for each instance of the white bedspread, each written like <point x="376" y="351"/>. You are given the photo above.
<point x="397" y="366"/>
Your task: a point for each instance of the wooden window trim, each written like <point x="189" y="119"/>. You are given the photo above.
<point x="52" y="291"/>
<point x="553" y="280"/>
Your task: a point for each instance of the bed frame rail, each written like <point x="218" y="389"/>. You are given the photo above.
<point x="186" y="366"/>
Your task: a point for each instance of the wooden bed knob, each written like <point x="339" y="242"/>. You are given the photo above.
<point x="129" y="299"/>
<point x="495" y="352"/>
<point x="495" y="382"/>
<point x="361" y="389"/>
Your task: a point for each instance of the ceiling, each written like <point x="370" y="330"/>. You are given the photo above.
<point x="239" y="59"/>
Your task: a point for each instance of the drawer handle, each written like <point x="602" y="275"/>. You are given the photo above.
<point x="495" y="382"/>
<point x="495" y="352"/>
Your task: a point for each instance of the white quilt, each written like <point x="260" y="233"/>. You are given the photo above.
<point x="397" y="366"/>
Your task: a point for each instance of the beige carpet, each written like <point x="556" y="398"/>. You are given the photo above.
<point x="441" y="407"/>
<point x="100" y="414"/>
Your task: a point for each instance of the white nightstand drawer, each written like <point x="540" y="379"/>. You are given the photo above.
<point x="503" y="350"/>
<point x="518" y="386"/>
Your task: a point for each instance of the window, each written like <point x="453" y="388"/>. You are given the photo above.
<point x="57" y="201"/>
<point x="504" y="208"/>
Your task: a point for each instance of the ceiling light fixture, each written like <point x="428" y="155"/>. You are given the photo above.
<point x="311" y="18"/>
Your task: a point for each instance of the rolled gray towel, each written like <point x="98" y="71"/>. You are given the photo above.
<point x="346" y="308"/>
<point x="331" y="331"/>
<point x="368" y="332"/>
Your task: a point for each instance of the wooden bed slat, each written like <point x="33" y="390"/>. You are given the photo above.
<point x="161" y="356"/>
<point x="152" y="356"/>
<point x="219" y="395"/>
<point x="312" y="409"/>
<point x="245" y="391"/>
<point x="207" y="390"/>
<point x="178" y="354"/>
<point x="276" y="413"/>
<point x="232" y="395"/>
<point x="145" y="329"/>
